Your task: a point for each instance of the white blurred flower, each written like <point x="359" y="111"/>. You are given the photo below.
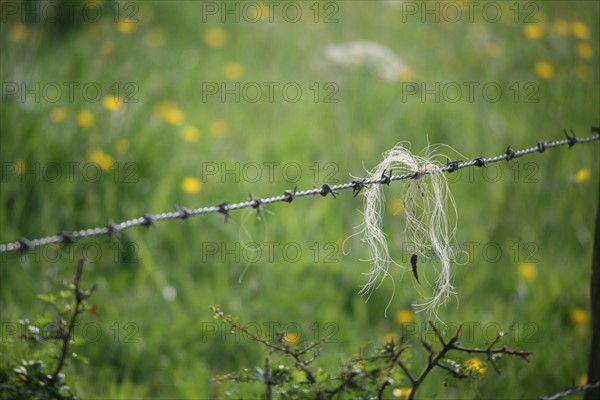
<point x="169" y="293"/>
<point x="370" y="55"/>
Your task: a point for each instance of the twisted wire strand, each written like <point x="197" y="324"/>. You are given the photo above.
<point x="288" y="196"/>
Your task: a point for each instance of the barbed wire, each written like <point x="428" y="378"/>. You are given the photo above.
<point x="288" y="196"/>
<point x="572" y="390"/>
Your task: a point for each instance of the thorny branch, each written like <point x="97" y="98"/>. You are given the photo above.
<point x="65" y="336"/>
<point x="378" y="370"/>
<point x="296" y="354"/>
<point x="436" y="359"/>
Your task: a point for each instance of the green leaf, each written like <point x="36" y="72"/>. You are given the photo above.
<point x="298" y="376"/>
<point x="47" y="297"/>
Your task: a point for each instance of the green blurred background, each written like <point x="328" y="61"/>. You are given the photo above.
<point x="114" y="109"/>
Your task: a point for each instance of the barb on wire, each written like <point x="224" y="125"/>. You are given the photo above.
<point x="148" y="220"/>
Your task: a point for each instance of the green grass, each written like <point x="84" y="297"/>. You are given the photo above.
<point x="547" y="220"/>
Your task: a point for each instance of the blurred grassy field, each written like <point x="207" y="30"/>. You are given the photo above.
<point x="529" y="223"/>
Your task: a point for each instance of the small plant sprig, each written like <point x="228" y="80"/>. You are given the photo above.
<point x="361" y="377"/>
<point x="470" y="369"/>
<point x="298" y="354"/>
<point x="30" y="378"/>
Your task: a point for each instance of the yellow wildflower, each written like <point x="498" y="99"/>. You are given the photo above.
<point x="582" y="175"/>
<point x="404" y="316"/>
<point x="18" y="33"/>
<point x="405" y="74"/>
<point x="391" y="337"/>
<point x="402" y="393"/>
<point x="112" y="103"/>
<point x="21" y="166"/>
<point x="544" y="70"/>
<point x="233" y="70"/>
<point x="560" y="27"/>
<point x="579" y="316"/>
<point x="258" y="12"/>
<point x="580" y="30"/>
<point x="59" y="114"/>
<point x="215" y="37"/>
<point x="126" y="26"/>
<point x="191" y="185"/>
<point x="106" y="47"/>
<point x="98" y="156"/>
<point x="219" y="128"/>
<point x="190" y="133"/>
<point x="533" y="31"/>
<point x="169" y="112"/>
<point x="492" y="49"/>
<point x="396" y="206"/>
<point x="475" y="365"/>
<point x="527" y="272"/>
<point x="585" y="51"/>
<point x="122" y="145"/>
<point x="291" y="337"/>
<point x="85" y="119"/>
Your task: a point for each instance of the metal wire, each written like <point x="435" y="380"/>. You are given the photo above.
<point x="224" y="208"/>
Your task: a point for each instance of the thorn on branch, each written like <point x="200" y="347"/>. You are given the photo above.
<point x="289" y="195"/>
<point x="437" y="333"/>
<point x="428" y="346"/>
<point x="570" y="139"/>
<point x="457" y="334"/>
<point x="326" y="189"/>
<point x="223" y="209"/>
<point x="496" y="340"/>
